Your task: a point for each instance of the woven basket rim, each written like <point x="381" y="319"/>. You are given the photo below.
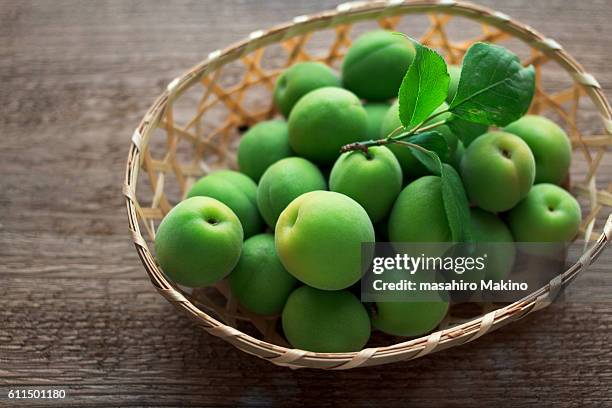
<point x="413" y="348"/>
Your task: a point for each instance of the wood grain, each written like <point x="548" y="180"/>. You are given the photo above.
<point x="76" y="310"/>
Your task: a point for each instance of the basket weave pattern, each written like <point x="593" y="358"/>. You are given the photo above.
<point x="182" y="138"/>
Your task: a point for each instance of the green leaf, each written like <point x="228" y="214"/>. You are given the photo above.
<point x="429" y="159"/>
<point x="464" y="130"/>
<point x="423" y="88"/>
<point x="431" y="140"/>
<point x="456" y="204"/>
<point x="494" y="88"/>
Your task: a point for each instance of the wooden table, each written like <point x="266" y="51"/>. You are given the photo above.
<point x="76" y="309"/>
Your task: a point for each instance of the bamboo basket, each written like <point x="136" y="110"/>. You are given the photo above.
<point x="194" y="126"/>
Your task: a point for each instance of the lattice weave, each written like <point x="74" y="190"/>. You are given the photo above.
<point x="193" y="128"/>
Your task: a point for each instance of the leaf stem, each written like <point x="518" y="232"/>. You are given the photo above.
<point x="393" y="137"/>
<point x="429" y="127"/>
<point x="416" y="146"/>
<point x="429" y="119"/>
<point x="395" y="132"/>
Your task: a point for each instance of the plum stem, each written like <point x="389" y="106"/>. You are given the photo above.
<point x="362" y="146"/>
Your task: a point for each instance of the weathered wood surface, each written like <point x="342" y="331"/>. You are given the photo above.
<point x="76" y="309"/>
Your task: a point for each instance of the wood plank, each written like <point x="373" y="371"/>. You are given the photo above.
<point x="76" y="309"/>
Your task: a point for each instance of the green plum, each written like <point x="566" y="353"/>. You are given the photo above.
<point x="376" y="63"/>
<point x="284" y="181"/>
<point x="418" y="214"/>
<point x="259" y="281"/>
<point x="411" y="167"/>
<point x="417" y="313"/>
<point x="264" y="144"/>
<point x="298" y="80"/>
<point x="198" y="242"/>
<point x="498" y="170"/>
<point x="494" y="239"/>
<point x="391" y="121"/>
<point x="376" y="114"/>
<point x="547" y="214"/>
<point x="319" y="237"/>
<point x="324" y="321"/>
<point x="456" y="160"/>
<point x="409" y="318"/>
<point x="374" y="181"/>
<point x="235" y="190"/>
<point x="323" y="121"/>
<point x="549" y="144"/>
<point x="455" y="73"/>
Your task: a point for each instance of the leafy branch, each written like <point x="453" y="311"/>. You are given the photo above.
<point x="494" y="89"/>
<point x="426" y="136"/>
